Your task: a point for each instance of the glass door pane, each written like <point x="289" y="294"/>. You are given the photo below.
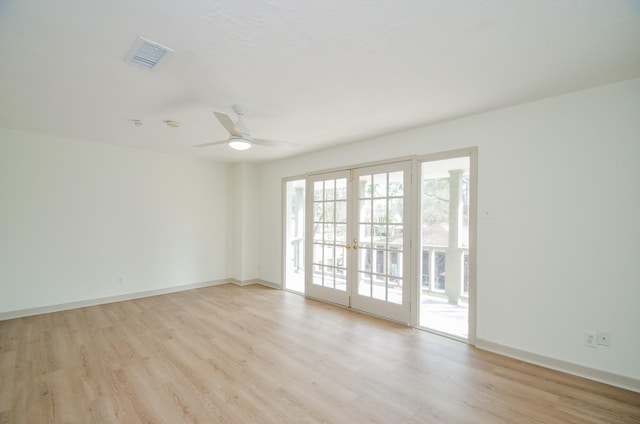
<point x="444" y="294"/>
<point x="294" y="236"/>
<point x="358" y="249"/>
<point x="381" y="224"/>
<point x="328" y="228"/>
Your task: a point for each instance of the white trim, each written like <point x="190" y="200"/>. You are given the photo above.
<point x="612" y="379"/>
<point x="361" y="165"/>
<point x="19" y="313"/>
<point x="244" y="282"/>
<point x="268" y="284"/>
<point x="283" y="230"/>
<point x="415" y="283"/>
<point x="473" y="243"/>
<point x="255" y="281"/>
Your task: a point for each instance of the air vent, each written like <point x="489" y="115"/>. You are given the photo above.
<point x="147" y="54"/>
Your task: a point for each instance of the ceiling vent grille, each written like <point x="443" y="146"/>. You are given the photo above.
<point x="147" y="54"/>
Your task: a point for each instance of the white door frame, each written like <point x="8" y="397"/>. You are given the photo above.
<point x="329" y="294"/>
<point x="389" y="310"/>
<point x="472" y="154"/>
<point x="414" y="282"/>
<point x="400" y="312"/>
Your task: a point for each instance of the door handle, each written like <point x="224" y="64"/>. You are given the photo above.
<point x="355" y="243"/>
<point x="347" y="246"/>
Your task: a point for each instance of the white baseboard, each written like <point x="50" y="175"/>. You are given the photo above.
<point x="254" y="281"/>
<point x="612" y="379"/>
<point x="243" y="283"/>
<point x="269" y="284"/>
<point x="109" y="299"/>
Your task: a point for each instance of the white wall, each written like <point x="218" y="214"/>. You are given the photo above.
<point x="560" y="253"/>
<point x="244" y="243"/>
<point x="74" y="215"/>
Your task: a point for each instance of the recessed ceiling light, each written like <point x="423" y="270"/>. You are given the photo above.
<point x="172" y="124"/>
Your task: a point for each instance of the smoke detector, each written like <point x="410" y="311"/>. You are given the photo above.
<point x="147" y="54"/>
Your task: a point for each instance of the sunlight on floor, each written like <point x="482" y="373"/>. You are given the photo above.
<point x="295" y="281"/>
<point x="436" y="313"/>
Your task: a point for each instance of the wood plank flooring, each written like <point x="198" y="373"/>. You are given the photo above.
<point x="229" y="354"/>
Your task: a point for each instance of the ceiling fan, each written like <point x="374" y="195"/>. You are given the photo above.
<point x="239" y="136"/>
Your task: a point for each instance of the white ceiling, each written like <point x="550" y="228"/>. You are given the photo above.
<point x="315" y="73"/>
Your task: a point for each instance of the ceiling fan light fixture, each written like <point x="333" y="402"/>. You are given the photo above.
<point x="239" y="144"/>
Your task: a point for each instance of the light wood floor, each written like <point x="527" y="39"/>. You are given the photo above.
<point x="231" y="354"/>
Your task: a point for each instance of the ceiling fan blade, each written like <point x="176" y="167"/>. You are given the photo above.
<point x="213" y="143"/>
<point x="271" y="143"/>
<point x="228" y="123"/>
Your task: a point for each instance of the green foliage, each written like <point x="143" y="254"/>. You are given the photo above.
<point x="435" y="201"/>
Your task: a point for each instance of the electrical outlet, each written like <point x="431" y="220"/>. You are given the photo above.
<point x="120" y="279"/>
<point x="604" y="339"/>
<point x="590" y="338"/>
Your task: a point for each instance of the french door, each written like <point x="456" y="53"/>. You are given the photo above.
<point x="358" y="239"/>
